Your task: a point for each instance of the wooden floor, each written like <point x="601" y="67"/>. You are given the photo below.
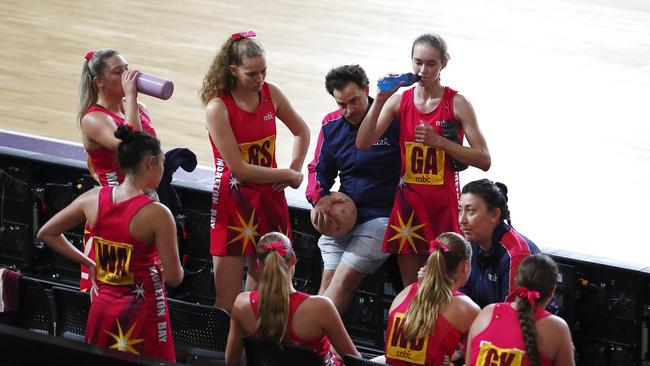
<point x="561" y="88"/>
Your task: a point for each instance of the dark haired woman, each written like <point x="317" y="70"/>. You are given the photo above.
<point x="497" y="248"/>
<point x="277" y="312"/>
<point x="521" y="332"/>
<point x="134" y="237"/>
<point x="426" y="203"/>
<point x="248" y="194"/>
<point x="107" y="99"/>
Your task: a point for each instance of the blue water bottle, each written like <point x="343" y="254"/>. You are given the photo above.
<point x="390" y="82"/>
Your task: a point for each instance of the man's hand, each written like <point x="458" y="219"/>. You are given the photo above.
<point x="320" y="214"/>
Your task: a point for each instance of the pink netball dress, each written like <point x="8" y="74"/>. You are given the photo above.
<point x="430" y="351"/>
<point x="243" y="211"/>
<point x="426" y="201"/>
<point x="104" y="162"/>
<point x="130" y="313"/>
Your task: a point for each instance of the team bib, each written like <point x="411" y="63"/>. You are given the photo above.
<point x="424" y="164"/>
<point x="399" y="348"/>
<point x="491" y="355"/>
<point x="112" y="262"/>
<point x="259" y="152"/>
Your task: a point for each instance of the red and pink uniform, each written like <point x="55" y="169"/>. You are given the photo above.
<point x="104" y="160"/>
<point x="242" y="211"/>
<point x="321" y="346"/>
<point x="426" y="201"/>
<point x="130" y="313"/>
<point x="501" y="342"/>
<point x="108" y="172"/>
<point x="428" y="351"/>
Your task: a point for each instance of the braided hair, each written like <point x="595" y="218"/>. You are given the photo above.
<point x="536" y="273"/>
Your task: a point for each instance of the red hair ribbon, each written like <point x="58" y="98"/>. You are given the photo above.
<point x="236" y="36"/>
<point x="275" y="246"/>
<point x="435" y="244"/>
<point x="89" y="55"/>
<point x="524" y="293"/>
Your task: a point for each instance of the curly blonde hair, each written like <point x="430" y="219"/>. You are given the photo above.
<point x="219" y="79"/>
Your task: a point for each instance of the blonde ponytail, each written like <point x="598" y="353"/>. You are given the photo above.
<point x="274" y="250"/>
<point x="274" y="298"/>
<point x="435" y="290"/>
<point x="432" y="298"/>
<point x="94" y="66"/>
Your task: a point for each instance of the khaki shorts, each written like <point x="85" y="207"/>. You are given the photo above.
<point x="359" y="249"/>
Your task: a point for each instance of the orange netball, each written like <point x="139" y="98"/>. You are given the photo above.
<point x="343" y="214"/>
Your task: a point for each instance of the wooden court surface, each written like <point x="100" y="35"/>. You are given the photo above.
<point x="561" y="88"/>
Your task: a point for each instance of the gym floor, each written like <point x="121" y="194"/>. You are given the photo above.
<point x="560" y="88"/>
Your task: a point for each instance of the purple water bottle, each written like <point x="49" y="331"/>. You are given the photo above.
<point x="155" y="86"/>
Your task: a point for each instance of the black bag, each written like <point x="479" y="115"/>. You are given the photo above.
<point x="450" y="132"/>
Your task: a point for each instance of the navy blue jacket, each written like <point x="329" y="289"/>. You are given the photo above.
<point x="493" y="272"/>
<point x="369" y="177"/>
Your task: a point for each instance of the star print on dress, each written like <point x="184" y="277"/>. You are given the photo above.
<point x="406" y="232"/>
<point x="247" y="231"/>
<point x="402" y="182"/>
<point x="138" y="291"/>
<point x="234" y="183"/>
<point x="122" y="341"/>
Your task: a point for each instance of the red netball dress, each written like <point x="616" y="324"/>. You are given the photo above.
<point x="502" y="341"/>
<point x="242" y="211"/>
<point x="428" y="351"/>
<point x="426" y="201"/>
<point x="321" y="346"/>
<point x="107" y="168"/>
<point x="104" y="160"/>
<point x="130" y="313"/>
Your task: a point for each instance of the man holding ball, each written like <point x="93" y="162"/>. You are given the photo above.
<point x="351" y="246"/>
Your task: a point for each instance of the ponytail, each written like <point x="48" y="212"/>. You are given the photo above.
<point x="274" y="250"/>
<point x="505" y="211"/>
<point x="432" y="298"/>
<point x="274" y="298"/>
<point x="536" y="277"/>
<point x="435" y="290"/>
<point x="94" y="65"/>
